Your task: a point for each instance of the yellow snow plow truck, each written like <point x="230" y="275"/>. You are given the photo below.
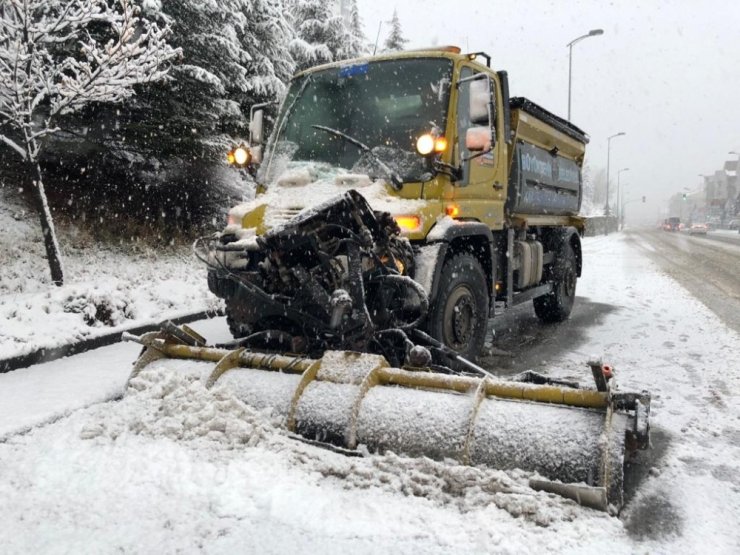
<point x="402" y="201"/>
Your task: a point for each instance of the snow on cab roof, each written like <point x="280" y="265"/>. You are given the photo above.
<point x="451" y="52"/>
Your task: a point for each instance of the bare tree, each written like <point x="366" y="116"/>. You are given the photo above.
<point x="52" y="64"/>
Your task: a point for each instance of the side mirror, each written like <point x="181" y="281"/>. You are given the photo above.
<point x="482" y="113"/>
<point x="480" y="99"/>
<point x="478" y="139"/>
<point x="257" y="154"/>
<point x="256" y="127"/>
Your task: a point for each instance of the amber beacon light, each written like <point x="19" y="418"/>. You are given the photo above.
<point x="408" y="223"/>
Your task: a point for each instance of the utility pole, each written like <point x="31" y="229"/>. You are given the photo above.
<point x="608" y="153"/>
<point x="619" y="190"/>
<point x="377" y="38"/>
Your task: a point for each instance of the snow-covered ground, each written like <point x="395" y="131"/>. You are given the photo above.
<point x="177" y="468"/>
<point x="107" y="289"/>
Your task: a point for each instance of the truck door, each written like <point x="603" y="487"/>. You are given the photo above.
<point x="480" y="194"/>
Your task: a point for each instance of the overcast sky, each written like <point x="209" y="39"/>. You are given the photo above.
<point x="667" y="73"/>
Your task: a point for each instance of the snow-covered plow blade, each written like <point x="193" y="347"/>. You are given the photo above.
<point x="576" y="439"/>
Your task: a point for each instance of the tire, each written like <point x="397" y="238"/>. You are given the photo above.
<point x="237" y="328"/>
<point x="459" y="313"/>
<point x="557" y="306"/>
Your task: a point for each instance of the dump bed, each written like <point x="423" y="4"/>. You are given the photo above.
<point x="546" y="161"/>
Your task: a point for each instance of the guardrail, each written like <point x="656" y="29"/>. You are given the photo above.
<point x="600" y="225"/>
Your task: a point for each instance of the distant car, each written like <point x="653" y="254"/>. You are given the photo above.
<point x="734" y="224"/>
<point x="698" y="229"/>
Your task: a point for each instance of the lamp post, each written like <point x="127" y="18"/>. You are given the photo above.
<point x="608" y="152"/>
<point x="685" y="203"/>
<point x="591" y="33"/>
<point x="619" y="206"/>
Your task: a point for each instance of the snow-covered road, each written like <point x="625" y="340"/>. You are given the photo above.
<point x="175" y="468"/>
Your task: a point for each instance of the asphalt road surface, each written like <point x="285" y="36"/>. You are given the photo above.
<point x="707" y="265"/>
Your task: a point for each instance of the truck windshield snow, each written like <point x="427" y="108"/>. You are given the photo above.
<point x="385" y="105"/>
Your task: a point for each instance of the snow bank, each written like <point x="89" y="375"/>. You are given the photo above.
<point x="173" y="466"/>
<point x="175" y="406"/>
<point x="108" y="289"/>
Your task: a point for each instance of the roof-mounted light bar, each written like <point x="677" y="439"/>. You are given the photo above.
<point x="445" y="48"/>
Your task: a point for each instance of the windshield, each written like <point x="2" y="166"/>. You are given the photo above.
<point x="385" y="105"/>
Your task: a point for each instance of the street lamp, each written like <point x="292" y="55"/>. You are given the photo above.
<point x="608" y="152"/>
<point x="619" y="206"/>
<point x="591" y="33"/>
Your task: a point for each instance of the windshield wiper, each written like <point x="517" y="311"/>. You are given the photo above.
<point x="396" y="180"/>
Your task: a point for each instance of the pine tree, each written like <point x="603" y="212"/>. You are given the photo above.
<point x="320" y="35"/>
<point x="233" y="57"/>
<point x="356" y="41"/>
<point x="161" y="156"/>
<point x="395" y="40"/>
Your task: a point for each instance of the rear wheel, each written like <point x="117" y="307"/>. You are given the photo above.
<point x="459" y="314"/>
<point x="557" y="305"/>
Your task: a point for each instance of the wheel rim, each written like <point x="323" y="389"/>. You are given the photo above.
<point x="460" y="319"/>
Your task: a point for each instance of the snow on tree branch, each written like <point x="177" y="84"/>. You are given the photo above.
<point x="58" y="55"/>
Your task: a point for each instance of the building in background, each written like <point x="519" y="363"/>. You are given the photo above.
<point x="721" y="194"/>
<point x="690" y="207"/>
<point x="716" y="202"/>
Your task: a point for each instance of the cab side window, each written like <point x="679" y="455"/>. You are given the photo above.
<point x="475" y="119"/>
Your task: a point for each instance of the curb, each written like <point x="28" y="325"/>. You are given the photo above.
<point x="47" y="354"/>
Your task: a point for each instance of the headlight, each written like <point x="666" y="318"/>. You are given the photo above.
<point x="242" y="156"/>
<point x="425" y="144"/>
<point x="429" y="143"/>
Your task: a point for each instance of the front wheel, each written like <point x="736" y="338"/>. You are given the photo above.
<point x="235" y="320"/>
<point x="557" y="305"/>
<point x="459" y="314"/>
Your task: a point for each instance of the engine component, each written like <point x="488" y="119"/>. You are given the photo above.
<point x="337" y="276"/>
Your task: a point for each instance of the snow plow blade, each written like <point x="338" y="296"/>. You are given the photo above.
<point x="576" y="439"/>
